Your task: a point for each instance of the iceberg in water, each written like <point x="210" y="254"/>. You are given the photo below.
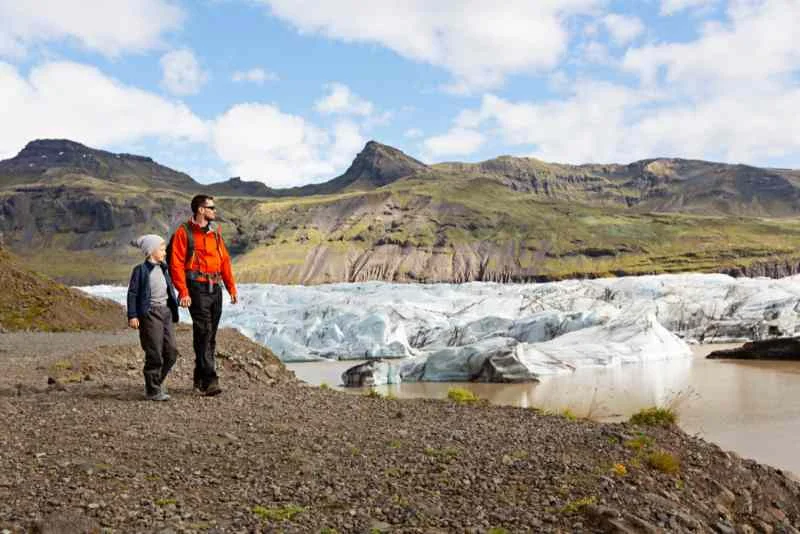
<point x="490" y="331"/>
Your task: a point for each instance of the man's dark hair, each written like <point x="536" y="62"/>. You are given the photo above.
<point x="199" y="201"/>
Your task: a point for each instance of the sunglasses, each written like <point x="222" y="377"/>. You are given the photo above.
<point x="212" y="208"/>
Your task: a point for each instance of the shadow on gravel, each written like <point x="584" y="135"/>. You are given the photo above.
<point x="98" y="392"/>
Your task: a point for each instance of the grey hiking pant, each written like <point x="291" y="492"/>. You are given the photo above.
<point x="157" y="335"/>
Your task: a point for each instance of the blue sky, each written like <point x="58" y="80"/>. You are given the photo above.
<point x="288" y="91"/>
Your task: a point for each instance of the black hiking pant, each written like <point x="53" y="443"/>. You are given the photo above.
<point x="157" y="336"/>
<point x="206" y="310"/>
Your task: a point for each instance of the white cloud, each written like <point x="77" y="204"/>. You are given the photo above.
<point x="603" y="122"/>
<point x="260" y="142"/>
<point x="74" y="101"/>
<point x="456" y="142"/>
<point x="255" y="141"/>
<point x="255" y="75"/>
<point x="670" y="7"/>
<point x="596" y="52"/>
<point x="347" y="142"/>
<point x="623" y="28"/>
<point x="111" y="28"/>
<point x="717" y="97"/>
<point x="341" y="100"/>
<point x="413" y="133"/>
<point x="181" y="72"/>
<point x="588" y="126"/>
<point x="757" y="43"/>
<point x="479" y="42"/>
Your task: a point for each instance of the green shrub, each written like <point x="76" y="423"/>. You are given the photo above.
<point x="284" y="513"/>
<point x="664" y="461"/>
<point x="461" y="395"/>
<point x="569" y="415"/>
<point x="639" y="443"/>
<point x="654" y="417"/>
<point x="578" y="505"/>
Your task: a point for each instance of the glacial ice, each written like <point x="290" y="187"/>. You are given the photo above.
<point x="448" y="331"/>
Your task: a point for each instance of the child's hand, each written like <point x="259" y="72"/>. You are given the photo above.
<point x="133" y="323"/>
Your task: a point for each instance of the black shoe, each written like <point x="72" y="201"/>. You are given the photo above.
<point x="212" y="389"/>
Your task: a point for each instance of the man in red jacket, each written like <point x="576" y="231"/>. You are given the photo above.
<point x="199" y="264"/>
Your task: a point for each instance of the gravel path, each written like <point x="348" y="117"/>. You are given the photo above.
<point x="272" y="454"/>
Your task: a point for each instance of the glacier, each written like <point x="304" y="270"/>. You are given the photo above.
<point x="499" y="332"/>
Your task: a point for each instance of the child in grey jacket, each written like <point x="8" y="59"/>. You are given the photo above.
<point x="153" y="310"/>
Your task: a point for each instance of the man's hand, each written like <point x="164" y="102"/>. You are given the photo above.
<point x="186" y="301"/>
<point x="133" y="322"/>
<point x="234" y="298"/>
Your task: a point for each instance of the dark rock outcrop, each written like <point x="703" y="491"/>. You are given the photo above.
<point x="768" y="349"/>
<point x="770" y="269"/>
<point x="50" y="158"/>
<point x="504" y="367"/>
<point x="363" y="375"/>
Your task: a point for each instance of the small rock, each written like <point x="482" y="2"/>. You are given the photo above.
<point x="687" y="520"/>
<point x="380" y="526"/>
<point x="723" y="511"/>
<point x="641" y="524"/>
<point x="723" y="527"/>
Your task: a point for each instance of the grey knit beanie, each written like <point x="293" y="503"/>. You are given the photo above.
<point x="148" y="243"/>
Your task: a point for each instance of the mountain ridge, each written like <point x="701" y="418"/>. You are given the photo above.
<point x="391" y="217"/>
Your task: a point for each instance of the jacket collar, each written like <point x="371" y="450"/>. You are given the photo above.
<point x="150" y="265"/>
<point x="208" y="228"/>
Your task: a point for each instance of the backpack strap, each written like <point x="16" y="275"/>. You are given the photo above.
<point x="189" y="246"/>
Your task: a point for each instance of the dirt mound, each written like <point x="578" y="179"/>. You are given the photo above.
<point x="30" y="301"/>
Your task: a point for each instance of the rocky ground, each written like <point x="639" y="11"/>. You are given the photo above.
<point x="82" y="451"/>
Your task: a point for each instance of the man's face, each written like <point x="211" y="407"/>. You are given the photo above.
<point x="209" y="210"/>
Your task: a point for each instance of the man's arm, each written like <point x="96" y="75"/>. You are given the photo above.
<point x="177" y="264"/>
<point x="227" y="272"/>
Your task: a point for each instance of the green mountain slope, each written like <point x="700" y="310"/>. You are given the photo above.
<point x="390" y="217"/>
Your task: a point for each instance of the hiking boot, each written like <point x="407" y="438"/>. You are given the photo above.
<point x="160" y="396"/>
<point x="212" y="389"/>
<point x="199" y="386"/>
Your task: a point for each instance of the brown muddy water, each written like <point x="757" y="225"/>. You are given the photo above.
<point x="752" y="408"/>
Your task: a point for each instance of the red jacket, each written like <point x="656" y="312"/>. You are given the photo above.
<point x="210" y="257"/>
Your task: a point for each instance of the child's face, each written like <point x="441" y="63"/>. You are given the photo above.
<point x="160" y="254"/>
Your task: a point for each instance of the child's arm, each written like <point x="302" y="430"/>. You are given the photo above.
<point x="133" y="293"/>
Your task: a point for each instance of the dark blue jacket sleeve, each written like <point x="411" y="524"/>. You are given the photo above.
<point x="133" y="292"/>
